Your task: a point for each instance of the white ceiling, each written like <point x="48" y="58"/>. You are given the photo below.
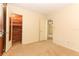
<point x="42" y="8"/>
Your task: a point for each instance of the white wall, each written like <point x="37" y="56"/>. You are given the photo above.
<point x="66" y="27"/>
<point x="30" y="31"/>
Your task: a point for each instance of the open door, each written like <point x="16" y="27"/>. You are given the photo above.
<point x="2" y="27"/>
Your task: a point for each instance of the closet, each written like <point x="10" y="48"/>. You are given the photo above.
<point x="16" y="28"/>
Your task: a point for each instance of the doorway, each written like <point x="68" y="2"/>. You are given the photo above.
<point x="15" y="29"/>
<point x="50" y="29"/>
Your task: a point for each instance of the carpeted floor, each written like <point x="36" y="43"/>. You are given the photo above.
<point x="42" y="48"/>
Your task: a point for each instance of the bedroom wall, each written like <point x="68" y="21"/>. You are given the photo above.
<point x="66" y="26"/>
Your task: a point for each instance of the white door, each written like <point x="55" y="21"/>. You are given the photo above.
<point x="43" y="30"/>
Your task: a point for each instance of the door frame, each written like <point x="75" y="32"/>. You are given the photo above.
<point x="4" y="25"/>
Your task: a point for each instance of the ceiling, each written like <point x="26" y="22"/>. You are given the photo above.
<point x="42" y="8"/>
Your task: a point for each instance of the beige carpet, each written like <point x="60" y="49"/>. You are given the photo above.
<point x="42" y="48"/>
